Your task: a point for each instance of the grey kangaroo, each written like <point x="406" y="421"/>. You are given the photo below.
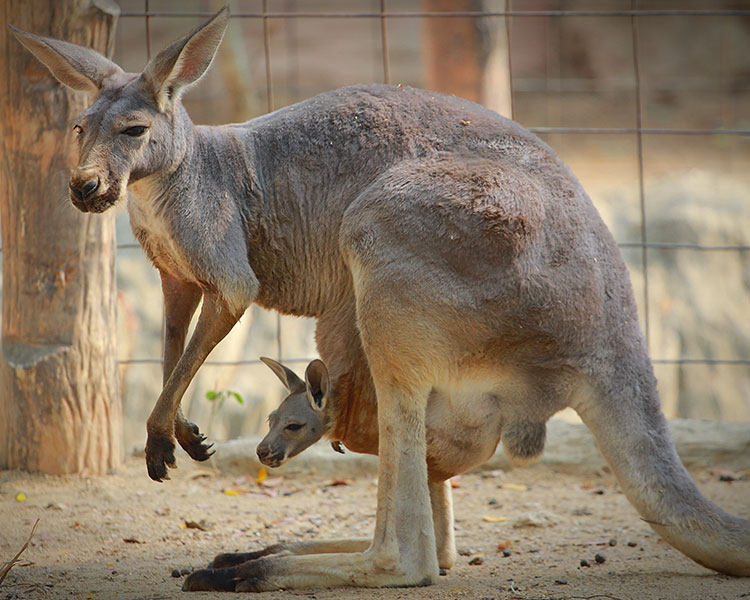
<point x="457" y="270"/>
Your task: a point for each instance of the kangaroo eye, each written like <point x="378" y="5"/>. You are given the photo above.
<point x="293" y="427"/>
<point x="135" y="130"/>
<point x="78" y="129"/>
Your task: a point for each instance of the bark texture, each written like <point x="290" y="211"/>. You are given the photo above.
<point x="59" y="394"/>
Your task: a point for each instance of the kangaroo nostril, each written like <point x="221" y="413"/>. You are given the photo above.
<point x="75" y="191"/>
<point x="90" y="187"/>
<point x="263" y="451"/>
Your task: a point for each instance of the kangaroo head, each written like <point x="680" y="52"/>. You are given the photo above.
<point x="136" y="125"/>
<point x="301" y="419"/>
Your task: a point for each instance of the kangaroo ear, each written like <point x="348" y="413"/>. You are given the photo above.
<point x="77" y="67"/>
<point x="287" y="376"/>
<point x="186" y="60"/>
<point x="317" y="384"/>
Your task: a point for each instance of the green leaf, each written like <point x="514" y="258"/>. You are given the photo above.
<point x="211" y="395"/>
<point x="237" y="397"/>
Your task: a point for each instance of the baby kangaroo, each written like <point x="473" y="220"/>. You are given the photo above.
<point x="458" y="272"/>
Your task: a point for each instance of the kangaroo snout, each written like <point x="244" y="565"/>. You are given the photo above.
<point x="83" y="188"/>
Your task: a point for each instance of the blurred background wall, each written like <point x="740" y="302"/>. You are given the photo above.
<point x="648" y="102"/>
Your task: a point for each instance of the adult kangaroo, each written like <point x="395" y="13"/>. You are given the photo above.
<point x="445" y="251"/>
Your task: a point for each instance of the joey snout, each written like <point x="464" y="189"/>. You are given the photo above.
<point x="271" y="456"/>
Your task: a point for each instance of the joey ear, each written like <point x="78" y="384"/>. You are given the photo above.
<point x="186" y="60"/>
<point x="287" y="376"/>
<point x="317" y="384"/>
<point x="77" y="67"/>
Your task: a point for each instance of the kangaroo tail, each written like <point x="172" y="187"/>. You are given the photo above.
<point x="625" y="416"/>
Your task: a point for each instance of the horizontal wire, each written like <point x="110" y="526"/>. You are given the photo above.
<point x="684" y="246"/>
<point x="658" y="245"/>
<point x="448" y="14"/>
<point x="210" y="363"/>
<point x="643" y="130"/>
<point x="237" y="363"/>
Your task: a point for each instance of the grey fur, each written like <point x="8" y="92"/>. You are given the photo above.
<point x="451" y="260"/>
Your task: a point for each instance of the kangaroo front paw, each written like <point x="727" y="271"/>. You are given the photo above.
<point x="191" y="440"/>
<point x="159" y="456"/>
<point x="211" y="580"/>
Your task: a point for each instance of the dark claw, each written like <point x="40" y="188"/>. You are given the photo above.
<point x="159" y="456"/>
<point x="211" y="580"/>
<point x="232" y="559"/>
<point x="193" y="444"/>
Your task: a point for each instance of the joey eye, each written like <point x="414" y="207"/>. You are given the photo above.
<point x="135" y="130"/>
<point x="293" y="427"/>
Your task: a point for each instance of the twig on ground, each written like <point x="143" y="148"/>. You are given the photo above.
<point x="9" y="565"/>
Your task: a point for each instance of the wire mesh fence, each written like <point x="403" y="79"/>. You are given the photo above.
<point x="281" y="51"/>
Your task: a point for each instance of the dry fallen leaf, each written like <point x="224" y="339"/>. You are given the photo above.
<point x="493" y="519"/>
<point x="504" y="545"/>
<point x="262" y="476"/>
<point x="132" y="541"/>
<point x="195" y="525"/>
<point x="20" y="497"/>
<point x="515" y="487"/>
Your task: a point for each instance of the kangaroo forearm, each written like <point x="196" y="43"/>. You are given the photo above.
<point x="181" y="299"/>
<point x="214" y="323"/>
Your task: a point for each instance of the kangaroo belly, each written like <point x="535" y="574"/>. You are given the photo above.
<point x="464" y="424"/>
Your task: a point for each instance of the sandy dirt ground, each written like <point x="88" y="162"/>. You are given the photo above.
<point x="122" y="536"/>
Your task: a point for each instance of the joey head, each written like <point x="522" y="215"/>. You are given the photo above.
<point x="301" y="418"/>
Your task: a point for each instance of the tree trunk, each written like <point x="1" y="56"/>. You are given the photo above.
<point x="468" y="56"/>
<point x="59" y="394"/>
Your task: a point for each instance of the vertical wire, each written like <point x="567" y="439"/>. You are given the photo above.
<point x="641" y="190"/>
<point x="267" y="51"/>
<point x="510" y="55"/>
<point x="269" y="107"/>
<point x="384" y="44"/>
<point x="148" y="32"/>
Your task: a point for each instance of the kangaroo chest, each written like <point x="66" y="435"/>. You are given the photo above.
<point x="154" y="232"/>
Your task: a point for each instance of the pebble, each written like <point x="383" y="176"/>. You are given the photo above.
<point x="613" y="542"/>
<point x="561" y="581"/>
<point x="477" y="560"/>
<point x="632" y="544"/>
<point x="443" y="572"/>
<point x="176" y="573"/>
<point x="507" y="552"/>
<point x="600" y="558"/>
<point x="492" y="502"/>
<point x="585" y="563"/>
